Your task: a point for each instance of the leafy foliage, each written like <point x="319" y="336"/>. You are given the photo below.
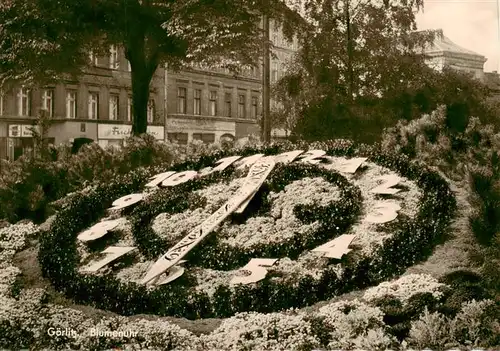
<point x="432" y="140"/>
<point x="467" y="151"/>
<point x="354" y="58"/>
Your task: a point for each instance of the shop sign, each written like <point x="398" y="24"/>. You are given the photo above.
<point x="202" y="124"/>
<point x="110" y="131"/>
<point x="20" y="131"/>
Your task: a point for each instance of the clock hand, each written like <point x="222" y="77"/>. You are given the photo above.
<point x="255" y="178"/>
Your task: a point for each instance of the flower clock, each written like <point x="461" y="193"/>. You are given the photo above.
<point x="256" y="229"/>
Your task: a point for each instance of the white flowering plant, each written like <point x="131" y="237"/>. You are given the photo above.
<point x="31" y="321"/>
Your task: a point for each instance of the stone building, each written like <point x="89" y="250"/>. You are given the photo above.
<point x="212" y="104"/>
<point x="97" y="107"/>
<point x="200" y="103"/>
<point x="443" y="52"/>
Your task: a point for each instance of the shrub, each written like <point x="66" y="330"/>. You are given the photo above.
<point x="429" y="331"/>
<point x="461" y="277"/>
<point x="28" y="185"/>
<point x="452" y="148"/>
<point x="477" y="323"/>
<point x="485" y="223"/>
<point x="418" y="303"/>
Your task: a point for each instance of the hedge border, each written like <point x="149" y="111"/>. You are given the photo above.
<point x="413" y="241"/>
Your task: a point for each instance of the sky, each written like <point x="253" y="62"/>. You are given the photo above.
<point x="472" y="24"/>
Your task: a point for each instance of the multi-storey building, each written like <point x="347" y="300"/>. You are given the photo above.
<point x="212" y="104"/>
<point x="98" y="106"/>
<point x="200" y="103"/>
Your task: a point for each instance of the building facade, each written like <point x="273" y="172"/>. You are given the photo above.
<point x="98" y="106"/>
<point x="445" y="53"/>
<point x="201" y="103"/>
<point x="213" y="104"/>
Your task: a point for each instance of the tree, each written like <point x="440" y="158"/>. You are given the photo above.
<point x="356" y="53"/>
<point x="43" y="40"/>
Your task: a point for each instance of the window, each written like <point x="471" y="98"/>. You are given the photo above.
<point x="241" y="106"/>
<point x="181" y="100"/>
<point x="129" y="109"/>
<point x="23" y="102"/>
<point x="113" y="107"/>
<point x="255" y="103"/>
<point x="207" y="138"/>
<point x="275" y="39"/>
<point x="151" y="111"/>
<point x="274" y="72"/>
<point x="213" y="103"/>
<point x="93" y="105"/>
<point x="71" y="104"/>
<point x="197" y="102"/>
<point x="113" y="58"/>
<point x="129" y="66"/>
<point x="94" y="60"/>
<point x="48" y="102"/>
<point x="180" y="138"/>
<point x="227" y="104"/>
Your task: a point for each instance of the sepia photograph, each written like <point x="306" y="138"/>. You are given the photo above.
<point x="250" y="175"/>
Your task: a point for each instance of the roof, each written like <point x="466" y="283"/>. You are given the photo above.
<point x="444" y="44"/>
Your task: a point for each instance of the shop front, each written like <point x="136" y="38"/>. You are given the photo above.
<point x="20" y="141"/>
<point x="208" y="130"/>
<point x="114" y="134"/>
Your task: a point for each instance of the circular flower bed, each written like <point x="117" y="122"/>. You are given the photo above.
<point x="403" y="241"/>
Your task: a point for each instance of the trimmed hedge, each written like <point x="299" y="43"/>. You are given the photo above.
<point x="412" y="241"/>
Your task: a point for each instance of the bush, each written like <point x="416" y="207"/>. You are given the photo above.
<point x="452" y="148"/>
<point x="29" y="185"/>
<point x="430" y="331"/>
<point x="485" y="223"/>
<point x="461" y="278"/>
<point x="477" y="323"/>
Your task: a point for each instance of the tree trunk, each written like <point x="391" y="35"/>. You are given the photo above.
<point x="143" y="67"/>
<point x="140" y="99"/>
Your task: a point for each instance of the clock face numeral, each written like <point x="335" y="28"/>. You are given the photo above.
<point x="385" y="188"/>
<point x="312" y="156"/>
<point x="287" y="157"/>
<point x="98" y="230"/>
<point x="248" y="161"/>
<point x="222" y="165"/>
<point x="349" y="166"/>
<point x="256" y="266"/>
<point x="179" y="178"/>
<point x="112" y="252"/>
<point x="337" y="247"/>
<point x="126" y="201"/>
<point x="157" y="179"/>
<point x="383" y="212"/>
